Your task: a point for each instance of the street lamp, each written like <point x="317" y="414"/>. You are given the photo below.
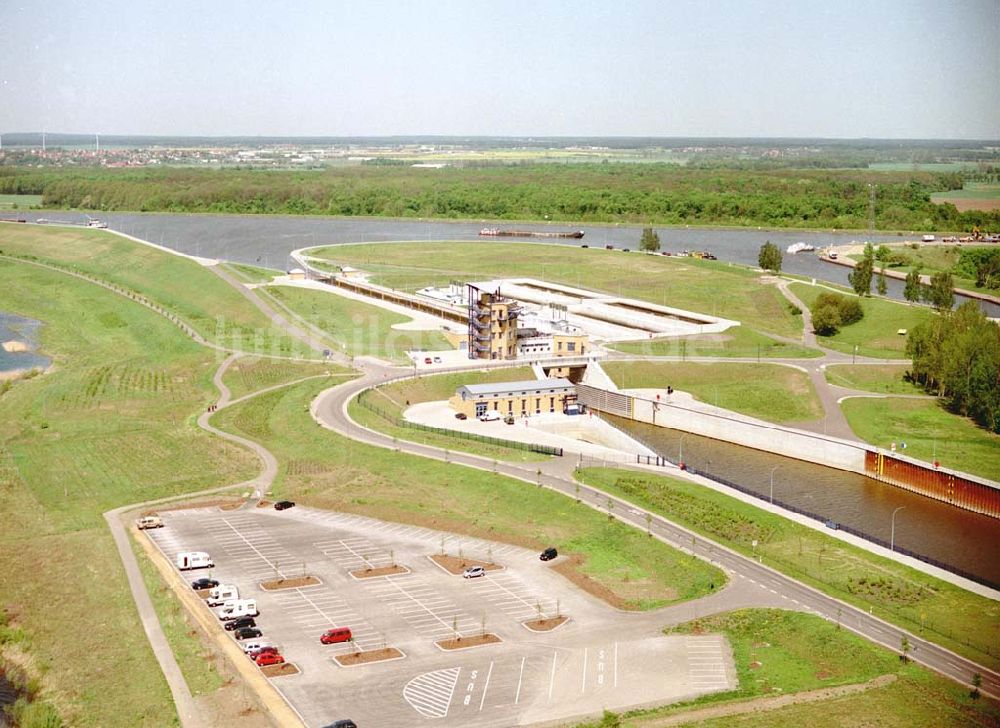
<point x="680" y="452"/>
<point x="892" y="537"/>
<point x="772" y="483"/>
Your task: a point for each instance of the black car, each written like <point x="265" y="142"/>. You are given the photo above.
<point x="282" y="505"/>
<point x="204" y="583"/>
<point x="548" y="554"/>
<point x="245" y="633"/>
<point x="461" y="416"/>
<point x="240" y="623"/>
<point x="346" y="723"/>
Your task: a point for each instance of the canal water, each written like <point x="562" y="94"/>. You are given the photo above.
<point x="22" y="330"/>
<point x="959" y="538"/>
<point x="266" y="240"/>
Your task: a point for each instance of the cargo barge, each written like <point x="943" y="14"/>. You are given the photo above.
<point x="497" y="232"/>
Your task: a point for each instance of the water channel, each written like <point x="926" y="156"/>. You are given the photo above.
<point x="951" y="535"/>
<point x="15" y="330"/>
<point x="963" y="540"/>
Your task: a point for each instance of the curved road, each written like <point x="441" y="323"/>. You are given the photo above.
<point x="330" y="410"/>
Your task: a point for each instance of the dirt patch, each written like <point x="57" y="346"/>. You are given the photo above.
<point x="461" y="643"/>
<point x="263" y="503"/>
<point x="300" y="581"/>
<point x="381" y="571"/>
<point x="363" y="658"/>
<point x="232" y="506"/>
<point x="285" y="668"/>
<point x="202" y="593"/>
<point x="970" y="203"/>
<point x="225" y="503"/>
<point x="545" y="625"/>
<point x="570" y="568"/>
<point x="456" y="565"/>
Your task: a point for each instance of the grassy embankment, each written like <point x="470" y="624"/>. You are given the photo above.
<point x="251" y="374"/>
<point x="780" y="653"/>
<point x="357" y="328"/>
<point x="876" y="335"/>
<point x="209" y="304"/>
<point x="19" y="202"/>
<point x="391" y="401"/>
<point x="767" y="391"/>
<point x="881" y="378"/>
<point x="958" y="619"/>
<point x="931" y="259"/>
<point x="327" y="471"/>
<point x="704" y="286"/>
<point x="111" y="424"/>
<point x="928" y="430"/>
<point x="738" y="341"/>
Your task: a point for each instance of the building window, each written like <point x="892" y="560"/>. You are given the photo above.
<point x="571" y="346"/>
<point x="480" y="409"/>
<point x="552" y="404"/>
<point x="560" y="346"/>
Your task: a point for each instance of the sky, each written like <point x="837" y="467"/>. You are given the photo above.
<point x="708" y="68"/>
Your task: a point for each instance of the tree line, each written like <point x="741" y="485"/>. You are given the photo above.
<point x="635" y="193"/>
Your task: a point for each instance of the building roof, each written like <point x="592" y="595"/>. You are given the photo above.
<point x="523" y="386"/>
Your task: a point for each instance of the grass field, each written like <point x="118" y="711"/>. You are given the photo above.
<point x="250" y="273"/>
<point x="876" y="334"/>
<point x="933" y="258"/>
<point x="975" y="196"/>
<point x="738" y="341"/>
<point x="251" y="373"/>
<point x="356" y="328"/>
<point x="19" y="202"/>
<point x="213" y="307"/>
<point x="962" y="621"/>
<point x="392" y="399"/>
<point x="111" y="424"/>
<point x="883" y="378"/>
<point x="780" y="653"/>
<point x="325" y="470"/>
<point x="768" y="391"/>
<point x="703" y="286"/>
<point x="928" y="430"/>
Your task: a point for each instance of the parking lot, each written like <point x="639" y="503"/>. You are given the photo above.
<point x="601" y="658"/>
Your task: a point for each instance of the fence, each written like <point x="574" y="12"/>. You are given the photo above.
<point x="364" y="400"/>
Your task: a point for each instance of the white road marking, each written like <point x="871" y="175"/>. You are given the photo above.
<point x="616" y="664"/>
<point x="430" y="694"/>
<point x="517" y="695"/>
<point x="486" y="687"/>
<point x="583" y="684"/>
<point x="552" y="677"/>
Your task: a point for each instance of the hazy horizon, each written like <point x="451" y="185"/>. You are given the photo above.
<point x="893" y="70"/>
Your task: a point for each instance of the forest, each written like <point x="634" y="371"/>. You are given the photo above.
<point x="631" y="193"/>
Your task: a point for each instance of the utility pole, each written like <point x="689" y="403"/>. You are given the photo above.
<point x="892" y="537"/>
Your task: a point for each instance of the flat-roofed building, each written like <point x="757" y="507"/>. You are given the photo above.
<point x="530" y="397"/>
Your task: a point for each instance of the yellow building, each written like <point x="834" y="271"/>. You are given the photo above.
<point x="569" y="344"/>
<point x="525" y="398"/>
<point x="492" y="325"/>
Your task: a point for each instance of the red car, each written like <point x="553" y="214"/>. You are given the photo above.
<point x="269" y="658"/>
<point x="266" y="650"/>
<point x="338" y="634"/>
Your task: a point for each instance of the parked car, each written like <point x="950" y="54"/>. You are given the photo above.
<point x="548" y="554"/>
<point x="461" y="416"/>
<point x="282" y="505"/>
<point x="246" y="633"/>
<point x="255" y="646"/>
<point x="427" y="360"/>
<point x="235" y="624"/>
<point x="337" y="634"/>
<point x="489" y="416"/>
<point x="254" y="654"/>
<point x="148" y="522"/>
<point x="194" y="560"/>
<point x="437" y="360"/>
<point x="269" y="658"/>
<point x="509" y="419"/>
<point x="473" y="571"/>
<point x="346" y="723"/>
<point x="204" y="583"/>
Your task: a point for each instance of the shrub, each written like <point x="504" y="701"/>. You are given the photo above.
<point x="831" y="311"/>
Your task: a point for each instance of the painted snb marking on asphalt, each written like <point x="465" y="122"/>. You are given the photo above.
<point x="600" y="667"/>
<point x="471" y="686"/>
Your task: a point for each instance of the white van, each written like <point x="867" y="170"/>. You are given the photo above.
<point x="219" y="595"/>
<point x="194" y="560"/>
<point x="489" y="416"/>
<point x="148" y="522"/>
<point x="239" y="608"/>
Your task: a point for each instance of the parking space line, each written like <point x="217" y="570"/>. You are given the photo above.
<point x="486" y="687"/>
<point x="616" y="664"/>
<point x="520" y="677"/>
<point x="552" y="677"/>
<point x="583" y="685"/>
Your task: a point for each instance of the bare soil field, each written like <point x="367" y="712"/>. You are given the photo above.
<point x="461" y="643"/>
<point x="296" y="583"/>
<point x="971" y="203"/>
<point x="361" y="658"/>
<point x="381" y="571"/>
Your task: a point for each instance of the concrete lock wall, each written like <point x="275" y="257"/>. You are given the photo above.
<point x="760" y="436"/>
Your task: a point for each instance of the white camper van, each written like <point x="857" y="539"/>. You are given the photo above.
<point x="218" y="595"/>
<point x="194" y="560"/>
<point x="148" y="522"/>
<point x="238" y="608"/>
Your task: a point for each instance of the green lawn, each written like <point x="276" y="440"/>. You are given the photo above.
<point x="768" y="391"/>
<point x="704" y="286"/>
<point x="213" y="307"/>
<point x="958" y="619"/>
<point x="111" y="424"/>
<point x="928" y="430"/>
<point x="251" y="373"/>
<point x="884" y="378"/>
<point x="325" y="470"/>
<point x="933" y="258"/>
<point x="19" y="202"/>
<point x="250" y="273"/>
<point x="738" y="341"/>
<point x="971" y="191"/>
<point x="356" y="328"/>
<point x="876" y="334"/>
<point x="386" y="405"/>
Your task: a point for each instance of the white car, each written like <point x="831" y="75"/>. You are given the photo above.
<point x="473" y="571"/>
<point x="489" y="416"/>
